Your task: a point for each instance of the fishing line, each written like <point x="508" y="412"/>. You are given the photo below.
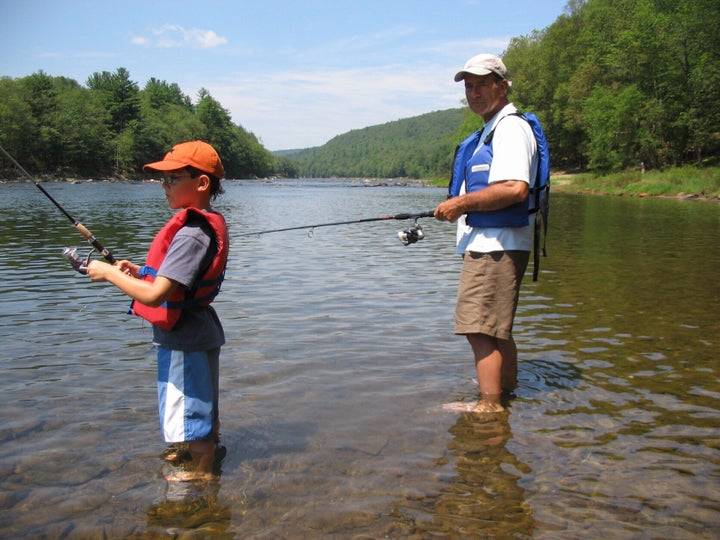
<point x="77" y="263"/>
<point x="408" y="236"/>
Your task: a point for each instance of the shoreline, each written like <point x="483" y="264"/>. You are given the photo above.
<point x="562" y="182"/>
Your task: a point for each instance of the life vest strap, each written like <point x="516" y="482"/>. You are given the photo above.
<point x="192" y="302"/>
<point x="147" y="271"/>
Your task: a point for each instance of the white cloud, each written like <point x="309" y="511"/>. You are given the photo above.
<point x="173" y="35"/>
<point x="307" y="106"/>
<point x="302" y="108"/>
<point x="314" y="106"/>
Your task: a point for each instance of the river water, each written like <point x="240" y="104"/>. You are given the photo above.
<point x="340" y="355"/>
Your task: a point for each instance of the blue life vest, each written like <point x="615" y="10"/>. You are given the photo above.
<point x="473" y="168"/>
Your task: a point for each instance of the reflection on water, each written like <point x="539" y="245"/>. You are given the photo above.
<point x="482" y="497"/>
<point x="191" y="507"/>
<point x="340" y="354"/>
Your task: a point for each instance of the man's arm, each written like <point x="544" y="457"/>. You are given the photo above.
<point x="496" y="196"/>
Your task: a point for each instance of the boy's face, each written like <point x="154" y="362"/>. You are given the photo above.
<point x="182" y="190"/>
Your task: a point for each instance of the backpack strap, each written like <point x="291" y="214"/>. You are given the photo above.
<point x="540" y="229"/>
<point x="540" y="189"/>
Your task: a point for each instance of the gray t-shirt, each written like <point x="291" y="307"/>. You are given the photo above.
<point x="189" y="254"/>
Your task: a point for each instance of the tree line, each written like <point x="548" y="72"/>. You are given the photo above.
<point x="622" y="83"/>
<point x="54" y="125"/>
<point x="617" y="84"/>
<point x="415" y="147"/>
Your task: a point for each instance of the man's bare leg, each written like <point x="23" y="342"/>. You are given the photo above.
<point x="488" y="365"/>
<point x="509" y="370"/>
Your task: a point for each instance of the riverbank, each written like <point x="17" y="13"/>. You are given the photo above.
<point x="679" y="182"/>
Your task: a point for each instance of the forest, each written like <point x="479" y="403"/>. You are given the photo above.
<point x="111" y="127"/>
<point x="617" y="84"/>
<point x="621" y="83"/>
<point x="418" y="147"/>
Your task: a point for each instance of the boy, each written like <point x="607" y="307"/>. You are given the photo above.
<point x="182" y="275"/>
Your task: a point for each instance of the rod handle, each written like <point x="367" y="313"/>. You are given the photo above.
<point x="429" y="213"/>
<point x="94" y="242"/>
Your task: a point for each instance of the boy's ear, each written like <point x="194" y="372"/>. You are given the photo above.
<point x="204" y="182"/>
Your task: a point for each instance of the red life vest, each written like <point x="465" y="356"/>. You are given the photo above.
<point x="206" y="287"/>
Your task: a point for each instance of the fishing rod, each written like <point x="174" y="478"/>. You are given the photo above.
<point x="77" y="263"/>
<point x="408" y="236"/>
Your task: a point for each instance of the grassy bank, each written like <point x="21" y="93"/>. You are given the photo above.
<point x="688" y="182"/>
<point x="676" y="182"/>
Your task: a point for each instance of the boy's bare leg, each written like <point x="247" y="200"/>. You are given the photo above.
<point x="201" y="467"/>
<point x="203" y="455"/>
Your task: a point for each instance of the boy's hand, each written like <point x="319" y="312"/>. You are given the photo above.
<point x="97" y="270"/>
<point x="129" y="268"/>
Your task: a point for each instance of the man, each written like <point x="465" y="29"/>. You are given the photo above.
<point x="489" y="195"/>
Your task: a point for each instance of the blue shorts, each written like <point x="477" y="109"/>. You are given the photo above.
<point x="187" y="394"/>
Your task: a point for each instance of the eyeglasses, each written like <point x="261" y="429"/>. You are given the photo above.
<point x="170" y="180"/>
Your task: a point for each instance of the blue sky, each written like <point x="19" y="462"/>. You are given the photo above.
<point x="294" y="72"/>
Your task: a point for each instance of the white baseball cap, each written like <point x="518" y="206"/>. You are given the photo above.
<point x="482" y="64"/>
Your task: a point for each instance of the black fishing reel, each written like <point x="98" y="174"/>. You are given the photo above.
<point x="411" y="235"/>
<point x="77" y="263"/>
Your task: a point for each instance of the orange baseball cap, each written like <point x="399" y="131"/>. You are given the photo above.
<point x="196" y="154"/>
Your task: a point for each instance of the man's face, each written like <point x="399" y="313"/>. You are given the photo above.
<point x="485" y="94"/>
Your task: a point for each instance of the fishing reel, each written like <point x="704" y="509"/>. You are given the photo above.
<point x="411" y="235"/>
<point x="76" y="262"/>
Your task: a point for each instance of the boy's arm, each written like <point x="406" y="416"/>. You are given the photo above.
<point x="151" y="294"/>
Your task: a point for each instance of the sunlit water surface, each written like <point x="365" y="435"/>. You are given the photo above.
<point x="340" y="355"/>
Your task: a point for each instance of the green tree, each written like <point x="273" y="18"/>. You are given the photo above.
<point x="119" y="94"/>
<point x="167" y="117"/>
<point x="85" y="142"/>
<point x="120" y="97"/>
<point x="242" y="154"/>
<point x="39" y="91"/>
<point x="18" y="129"/>
<point x="695" y="27"/>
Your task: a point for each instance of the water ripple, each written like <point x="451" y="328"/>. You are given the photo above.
<point x="340" y="353"/>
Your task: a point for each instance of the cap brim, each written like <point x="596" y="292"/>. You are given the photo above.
<point x="460" y="75"/>
<point x="164" y="165"/>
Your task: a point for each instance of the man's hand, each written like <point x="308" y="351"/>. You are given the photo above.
<point x="496" y="196"/>
<point x="450" y="210"/>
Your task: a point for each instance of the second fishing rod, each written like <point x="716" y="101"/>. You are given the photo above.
<point x="407" y="236"/>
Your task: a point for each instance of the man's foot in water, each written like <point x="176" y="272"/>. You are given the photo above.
<point x="483" y="406"/>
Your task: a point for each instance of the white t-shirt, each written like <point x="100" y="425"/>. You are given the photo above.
<point x="514" y="158"/>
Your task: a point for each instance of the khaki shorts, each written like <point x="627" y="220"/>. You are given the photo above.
<point x="488" y="292"/>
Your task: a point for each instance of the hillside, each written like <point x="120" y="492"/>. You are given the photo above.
<point x="617" y="85"/>
<point x="417" y="147"/>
